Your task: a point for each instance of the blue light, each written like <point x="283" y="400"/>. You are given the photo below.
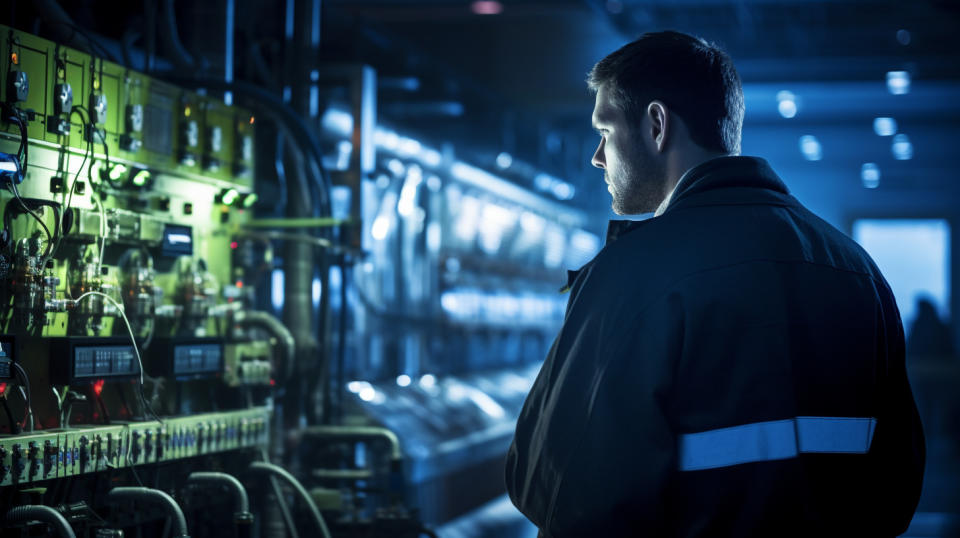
<point x="914" y="255"/>
<point x="898" y="82"/>
<point x="276" y="289"/>
<point x="902" y="148"/>
<point x="903" y="37"/>
<point x="504" y="160"/>
<point x="786" y="104"/>
<point x="316" y="291"/>
<point x="885" y="126"/>
<point x="870" y="174"/>
<point x="810" y="148"/>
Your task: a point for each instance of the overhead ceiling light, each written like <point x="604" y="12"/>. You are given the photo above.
<point x="885" y="126"/>
<point x="870" y="175"/>
<point x="787" y="104"/>
<point x="486" y="7"/>
<point x="810" y="148"/>
<point x="902" y="148"/>
<point x="903" y="37"/>
<point x="504" y="159"/>
<point x="898" y="82"/>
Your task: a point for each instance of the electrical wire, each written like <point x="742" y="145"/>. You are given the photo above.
<point x="283" y="474"/>
<point x="23" y="154"/>
<point x="133" y="341"/>
<point x="28" y="412"/>
<point x="68" y="196"/>
<point x="106" y="154"/>
<point x="281" y="500"/>
<point x="103" y="230"/>
<point x="14" y="426"/>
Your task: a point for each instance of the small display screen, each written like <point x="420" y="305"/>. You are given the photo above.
<point x="197" y="359"/>
<point x="6" y="357"/>
<point x="104" y="361"/>
<point x="177" y="241"/>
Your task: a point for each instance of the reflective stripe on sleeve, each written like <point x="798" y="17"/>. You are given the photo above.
<point x="775" y="440"/>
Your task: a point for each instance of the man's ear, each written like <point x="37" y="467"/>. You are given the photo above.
<point x="659" y="123"/>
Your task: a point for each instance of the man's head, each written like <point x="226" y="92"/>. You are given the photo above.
<point x="664" y="103"/>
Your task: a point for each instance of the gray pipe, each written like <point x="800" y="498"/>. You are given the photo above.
<point x="38" y="512"/>
<point x="155" y="496"/>
<point x="241" y="502"/>
<point x="275" y="470"/>
<point x="357" y="432"/>
<point x="269" y="323"/>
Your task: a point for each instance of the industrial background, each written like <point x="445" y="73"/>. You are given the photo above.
<point x="290" y="268"/>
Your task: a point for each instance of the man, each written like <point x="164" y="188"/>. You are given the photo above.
<point x="733" y="366"/>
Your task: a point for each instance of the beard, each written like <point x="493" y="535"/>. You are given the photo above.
<point x="637" y="185"/>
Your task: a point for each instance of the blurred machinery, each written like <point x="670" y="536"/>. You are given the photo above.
<point x="163" y="337"/>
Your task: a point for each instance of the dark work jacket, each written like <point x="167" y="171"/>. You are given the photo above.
<point x="739" y="313"/>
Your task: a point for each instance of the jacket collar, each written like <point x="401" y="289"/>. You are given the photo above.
<point x="718" y="173"/>
<point x="725" y="173"/>
<point x="739" y="173"/>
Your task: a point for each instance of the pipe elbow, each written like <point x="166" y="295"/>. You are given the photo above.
<point x="153" y="496"/>
<point x="38" y="512"/>
<point x="241" y="501"/>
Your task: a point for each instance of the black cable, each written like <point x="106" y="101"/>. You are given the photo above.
<point x="88" y="152"/>
<point x="14" y="426"/>
<point x="106" y="154"/>
<point x="95" y="46"/>
<point x="103" y="409"/>
<point x="28" y="410"/>
<point x="23" y="154"/>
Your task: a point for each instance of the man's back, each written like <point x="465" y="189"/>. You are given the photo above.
<point x="734" y="367"/>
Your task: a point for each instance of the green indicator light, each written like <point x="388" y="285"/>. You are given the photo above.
<point x="118" y="171"/>
<point x="141" y="178"/>
<point x="249" y="200"/>
<point x="229" y="196"/>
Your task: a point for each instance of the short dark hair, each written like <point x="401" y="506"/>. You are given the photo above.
<point x="695" y="79"/>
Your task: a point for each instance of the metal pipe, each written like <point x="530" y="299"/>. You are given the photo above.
<point x="275" y="470"/>
<point x="38" y="512"/>
<point x="155" y="496"/>
<point x="357" y="432"/>
<point x="269" y="323"/>
<point x="241" y="501"/>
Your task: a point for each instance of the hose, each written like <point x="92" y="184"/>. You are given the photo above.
<point x="241" y="502"/>
<point x="153" y="496"/>
<point x="280" y="472"/>
<point x="29" y="512"/>
<point x="357" y="432"/>
<point x="271" y="324"/>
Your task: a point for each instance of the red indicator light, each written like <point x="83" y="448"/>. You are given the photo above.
<point x="3" y="388"/>
<point x="273" y="382"/>
<point x="486" y="7"/>
<point x="239" y="283"/>
<point x="234" y="245"/>
<point x="98" y="386"/>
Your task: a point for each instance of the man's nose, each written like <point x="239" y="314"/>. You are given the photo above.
<point x="598" y="159"/>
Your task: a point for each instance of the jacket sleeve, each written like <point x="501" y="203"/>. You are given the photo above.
<point x="898" y="446"/>
<point x="593" y="451"/>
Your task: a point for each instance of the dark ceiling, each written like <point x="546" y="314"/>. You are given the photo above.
<point x="519" y="74"/>
<point x="513" y="81"/>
